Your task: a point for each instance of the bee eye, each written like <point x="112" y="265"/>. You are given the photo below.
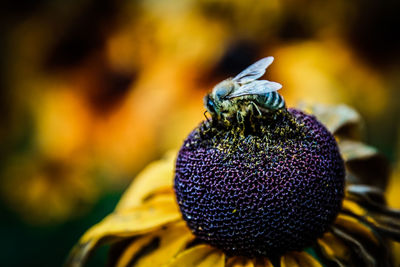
<point x="210" y="105"/>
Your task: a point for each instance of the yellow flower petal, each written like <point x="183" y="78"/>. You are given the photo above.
<point x="239" y="262"/>
<point x="354" y="226"/>
<point x="199" y="256"/>
<point x="157" y="175"/>
<point x="333" y="246"/>
<point x="148" y="217"/>
<point x="298" y="259"/>
<point x="145" y="218"/>
<point x="336" y="118"/>
<point x="365" y="163"/>
<point x="172" y="241"/>
<point x="353" y="207"/>
<point x="133" y="249"/>
<point x="262" y="262"/>
<point x="352" y="150"/>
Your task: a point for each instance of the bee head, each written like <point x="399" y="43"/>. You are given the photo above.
<point x="210" y="105"/>
<point x="214" y="101"/>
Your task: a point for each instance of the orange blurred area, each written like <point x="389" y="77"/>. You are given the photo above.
<point x="95" y="90"/>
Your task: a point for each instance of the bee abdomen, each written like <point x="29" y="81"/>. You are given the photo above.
<point x="273" y="100"/>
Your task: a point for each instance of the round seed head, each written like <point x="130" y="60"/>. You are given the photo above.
<point x="271" y="187"/>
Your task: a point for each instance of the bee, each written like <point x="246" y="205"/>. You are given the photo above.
<point x="228" y="96"/>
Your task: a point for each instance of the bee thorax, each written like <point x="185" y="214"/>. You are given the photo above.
<point x="223" y="89"/>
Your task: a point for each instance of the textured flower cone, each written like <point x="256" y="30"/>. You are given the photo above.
<point x="261" y="189"/>
<point x="148" y="229"/>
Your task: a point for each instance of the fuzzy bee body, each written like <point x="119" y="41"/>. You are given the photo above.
<point x="244" y="93"/>
<point x="271" y="100"/>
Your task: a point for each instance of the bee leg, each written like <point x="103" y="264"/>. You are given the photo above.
<point x="239" y="117"/>
<point x="205" y="112"/>
<point x="255" y="105"/>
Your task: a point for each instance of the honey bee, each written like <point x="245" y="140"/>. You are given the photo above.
<point x="226" y="96"/>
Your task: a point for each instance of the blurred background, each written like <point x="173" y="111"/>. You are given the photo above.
<point x="92" y="91"/>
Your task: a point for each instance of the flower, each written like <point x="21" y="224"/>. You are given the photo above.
<point x="262" y="193"/>
<point x="147" y="227"/>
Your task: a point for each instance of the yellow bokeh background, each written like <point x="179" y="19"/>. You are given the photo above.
<point x="94" y="91"/>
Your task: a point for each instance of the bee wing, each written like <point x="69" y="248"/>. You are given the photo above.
<point x="256" y="88"/>
<point x="254" y="71"/>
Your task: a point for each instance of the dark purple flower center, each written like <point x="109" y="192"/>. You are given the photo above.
<point x="272" y="186"/>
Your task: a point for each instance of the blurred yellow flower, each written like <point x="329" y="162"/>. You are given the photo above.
<point x="318" y="71"/>
<point x="46" y="191"/>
